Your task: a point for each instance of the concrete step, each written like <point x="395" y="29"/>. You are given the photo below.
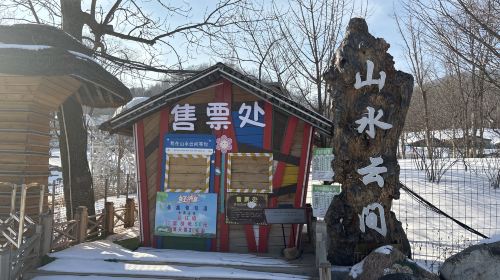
<point x="155" y="270"/>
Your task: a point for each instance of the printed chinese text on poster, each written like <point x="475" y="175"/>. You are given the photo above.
<point x="186" y="214"/>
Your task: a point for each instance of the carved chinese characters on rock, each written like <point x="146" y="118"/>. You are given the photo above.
<point x="219" y="116"/>
<point x="370" y="101"/>
<point x="371" y="173"/>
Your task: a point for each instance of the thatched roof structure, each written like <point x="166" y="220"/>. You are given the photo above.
<point x="42" y="50"/>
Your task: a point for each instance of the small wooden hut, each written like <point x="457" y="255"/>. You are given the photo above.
<point x="229" y="141"/>
<point x="41" y="66"/>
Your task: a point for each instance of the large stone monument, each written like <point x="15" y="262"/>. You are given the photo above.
<point x="371" y="100"/>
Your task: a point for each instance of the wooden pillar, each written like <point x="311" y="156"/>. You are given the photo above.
<point x="82" y="217"/>
<point x="47" y="223"/>
<point x="142" y="183"/>
<point x="129" y="213"/>
<point x="109" y="218"/>
<point x="5" y="263"/>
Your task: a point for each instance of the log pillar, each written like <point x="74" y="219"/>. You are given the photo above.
<point x="370" y="99"/>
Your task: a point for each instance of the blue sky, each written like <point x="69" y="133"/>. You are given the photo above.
<point x="381" y="23"/>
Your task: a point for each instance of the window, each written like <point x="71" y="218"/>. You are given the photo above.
<point x="187" y="173"/>
<point x="250" y="172"/>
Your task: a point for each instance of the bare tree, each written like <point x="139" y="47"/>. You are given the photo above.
<point x="420" y="67"/>
<point x="476" y="19"/>
<point x="105" y="27"/>
<point x="292" y="45"/>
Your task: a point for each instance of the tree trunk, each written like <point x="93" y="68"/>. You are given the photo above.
<point x="78" y="189"/>
<point x="360" y="218"/>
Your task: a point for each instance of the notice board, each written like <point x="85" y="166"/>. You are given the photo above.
<point x="186" y="214"/>
<point x="322" y="164"/>
<point x="322" y="196"/>
<point x="242" y="208"/>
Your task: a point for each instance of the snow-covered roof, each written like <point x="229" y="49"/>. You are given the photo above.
<point x="42" y="50"/>
<point x="489" y="133"/>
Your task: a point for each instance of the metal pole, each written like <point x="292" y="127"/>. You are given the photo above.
<point x="128" y="182"/>
<point x="284" y="239"/>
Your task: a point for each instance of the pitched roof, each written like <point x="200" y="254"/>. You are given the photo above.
<point x="43" y="50"/>
<point x="205" y="78"/>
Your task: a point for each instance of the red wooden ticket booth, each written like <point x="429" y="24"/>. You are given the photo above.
<point x="260" y="156"/>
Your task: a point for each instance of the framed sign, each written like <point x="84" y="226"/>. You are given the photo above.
<point x="186" y="214"/>
<point x="285" y="215"/>
<point x="322" y="164"/>
<point x="187" y="162"/>
<point x="322" y="196"/>
<point x="250" y="172"/>
<point x="246" y="208"/>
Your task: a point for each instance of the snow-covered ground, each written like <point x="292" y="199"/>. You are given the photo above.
<point x="465" y="195"/>
<point x="106" y="258"/>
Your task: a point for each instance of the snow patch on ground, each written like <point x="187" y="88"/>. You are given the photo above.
<point x="105" y="267"/>
<point x="90" y="277"/>
<point x="107" y="250"/>
<point x="386" y="250"/>
<point x="357" y="269"/>
<point x="23" y="47"/>
<point x="124" y="233"/>
<point x="494" y="238"/>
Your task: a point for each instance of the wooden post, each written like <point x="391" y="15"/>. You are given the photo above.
<point x="5" y="263"/>
<point x="47" y="222"/>
<point x="53" y="195"/>
<point x="82" y="216"/>
<point x="106" y="184"/>
<point x="323" y="265"/>
<point x="129" y="213"/>
<point x="109" y="218"/>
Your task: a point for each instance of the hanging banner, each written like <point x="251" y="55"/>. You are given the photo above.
<point x="200" y="144"/>
<point x="246" y="209"/>
<point x="322" y="196"/>
<point x="322" y="164"/>
<point x="186" y="214"/>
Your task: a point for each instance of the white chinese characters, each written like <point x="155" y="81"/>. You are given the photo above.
<point x="371" y="121"/>
<point x="219" y="115"/>
<point x="370" y="219"/>
<point x="369" y="78"/>
<point x="247" y="109"/>
<point x="372" y="172"/>
<point x="184" y="117"/>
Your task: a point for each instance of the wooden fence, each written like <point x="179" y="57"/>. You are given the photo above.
<point x="24" y="239"/>
<point x="20" y="235"/>
<point x="86" y="228"/>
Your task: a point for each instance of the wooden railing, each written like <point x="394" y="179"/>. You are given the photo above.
<point x="85" y="228"/>
<point x="20" y="235"/>
<point x="95" y="227"/>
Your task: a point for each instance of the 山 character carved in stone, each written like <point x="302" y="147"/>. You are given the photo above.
<point x="369" y="78"/>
